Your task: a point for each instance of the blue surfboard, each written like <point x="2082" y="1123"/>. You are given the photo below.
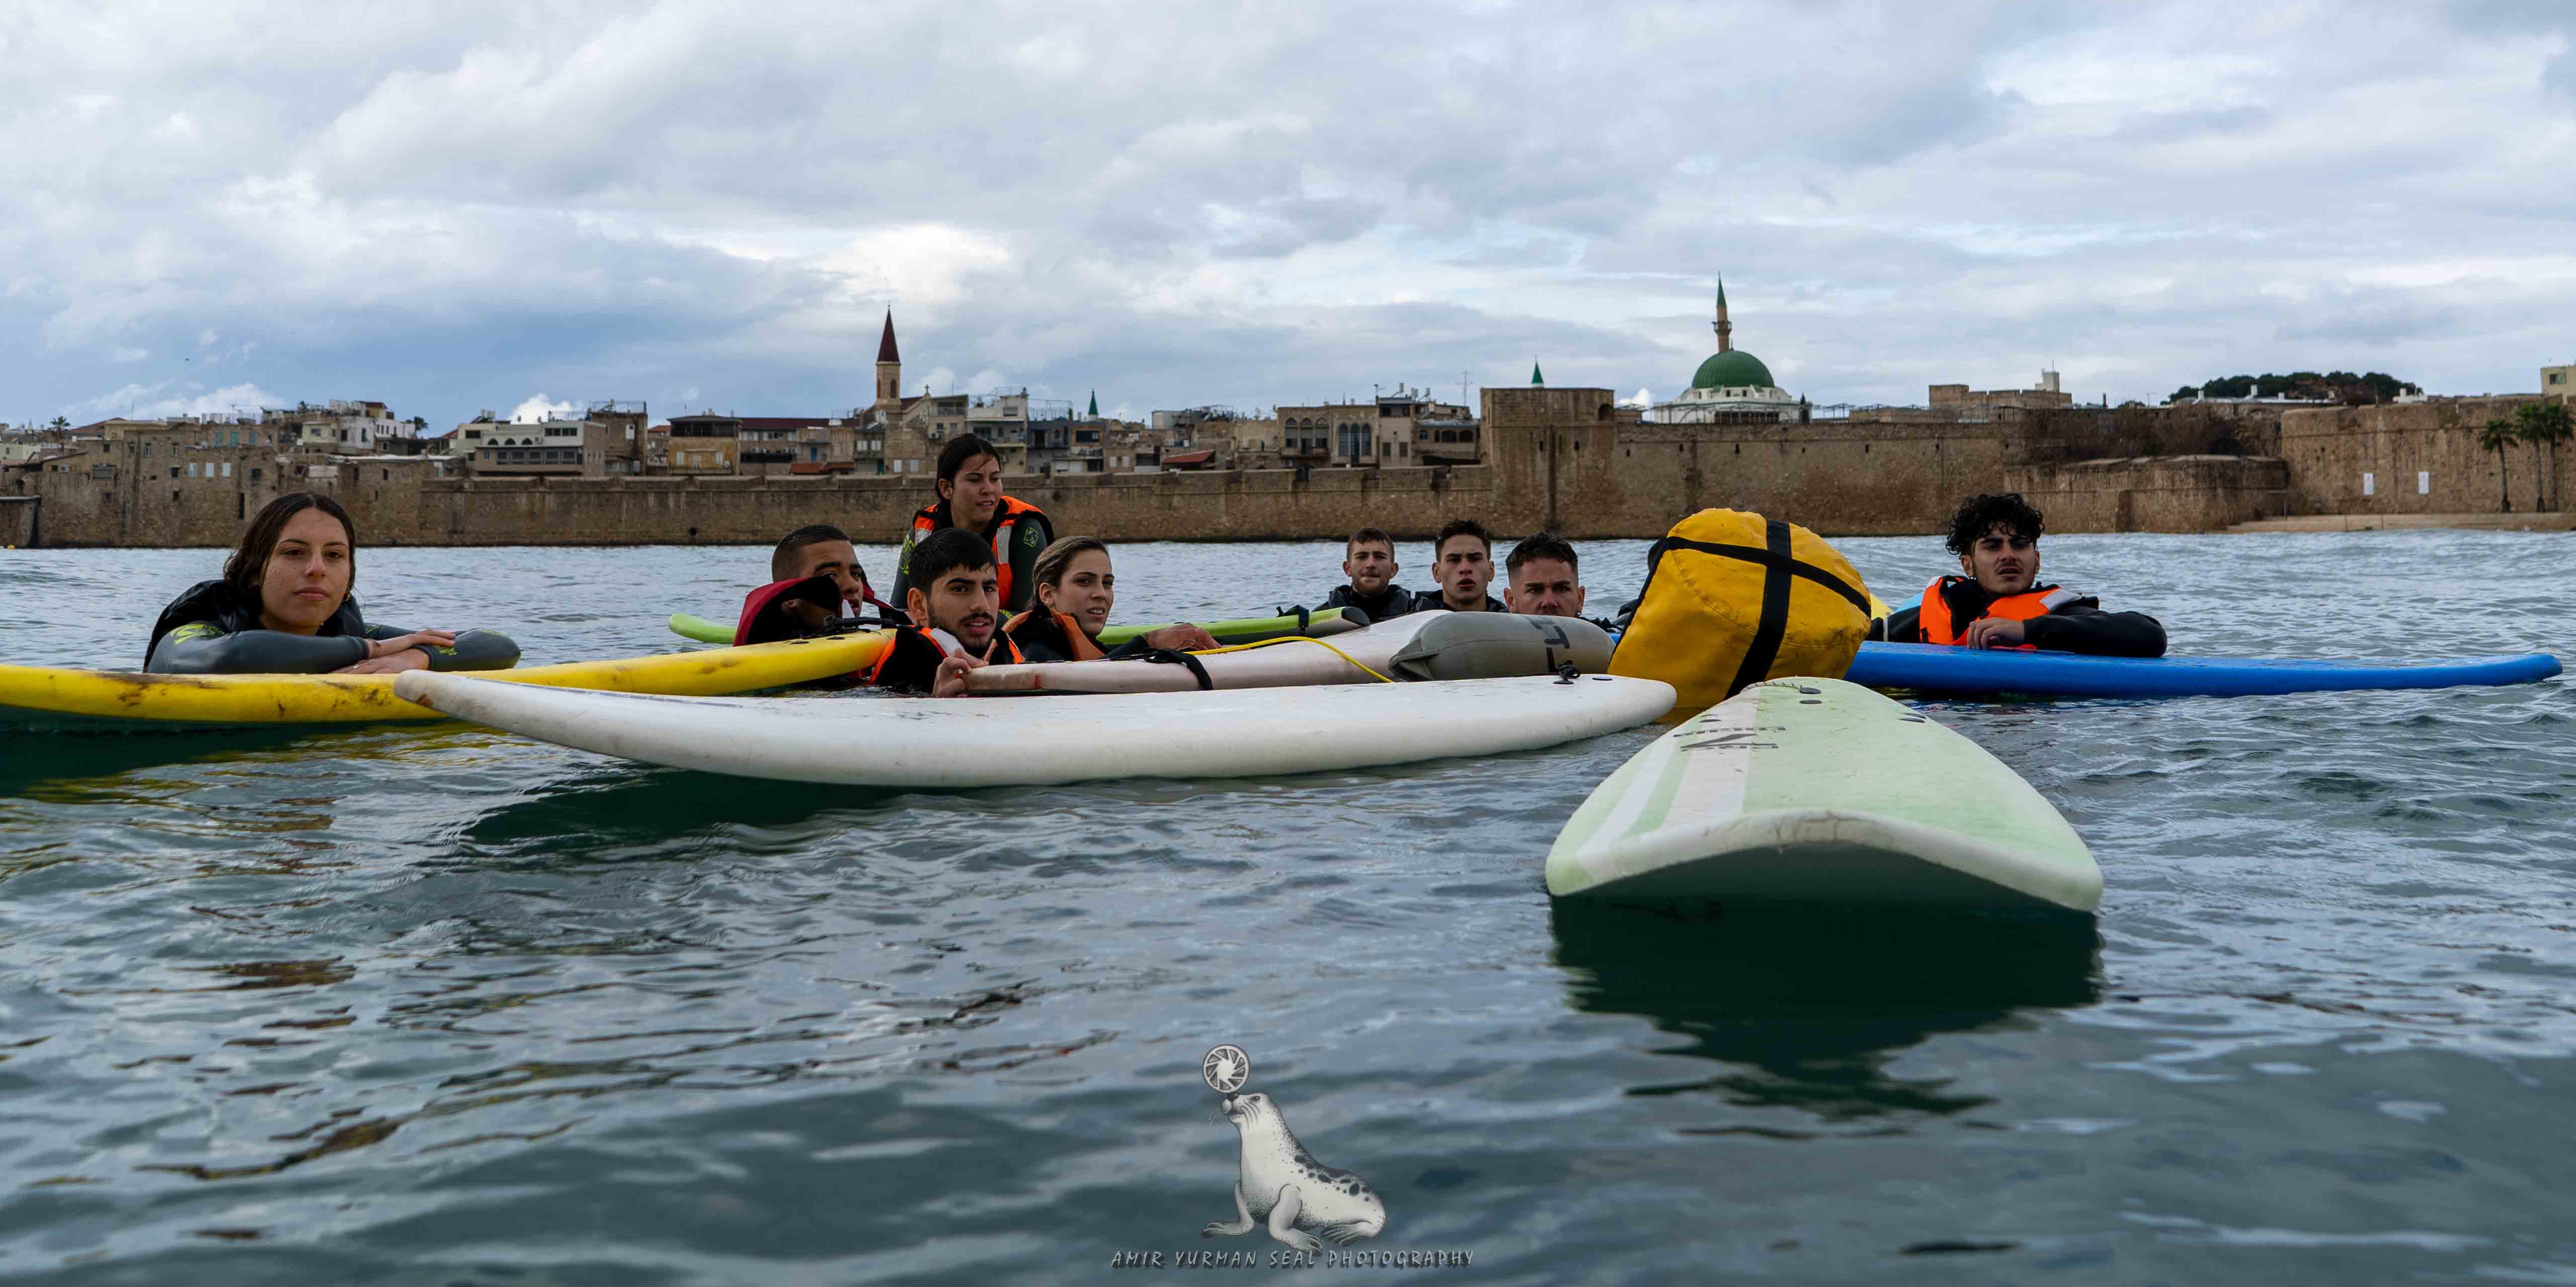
<point x="1934" y="668"/>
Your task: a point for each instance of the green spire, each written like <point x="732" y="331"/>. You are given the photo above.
<point x="1094" y="413"/>
<point x="1721" y="292"/>
<point x="1536" y="380"/>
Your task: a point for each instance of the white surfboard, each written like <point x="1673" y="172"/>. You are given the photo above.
<point x="1434" y="644"/>
<point x="1821" y="792"/>
<point x="870" y="739"/>
<point x="1343" y="659"/>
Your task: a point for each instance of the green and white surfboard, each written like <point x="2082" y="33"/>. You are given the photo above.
<point x="1819" y="792"/>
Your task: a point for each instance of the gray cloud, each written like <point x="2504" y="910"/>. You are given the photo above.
<point x="456" y="210"/>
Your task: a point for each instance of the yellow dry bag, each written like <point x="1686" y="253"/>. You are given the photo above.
<point x="1733" y="599"/>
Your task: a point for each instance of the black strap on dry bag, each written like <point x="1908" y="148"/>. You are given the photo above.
<point x="1778" y="567"/>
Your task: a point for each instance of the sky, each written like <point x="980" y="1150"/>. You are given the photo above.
<point x="454" y="208"/>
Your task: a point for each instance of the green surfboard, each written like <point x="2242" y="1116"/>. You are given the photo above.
<point x="1819" y="792"/>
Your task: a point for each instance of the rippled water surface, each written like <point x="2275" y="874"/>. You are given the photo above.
<point x="435" y="1005"/>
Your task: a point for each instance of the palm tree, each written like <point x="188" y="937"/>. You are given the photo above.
<point x="2547" y="423"/>
<point x="2499" y="434"/>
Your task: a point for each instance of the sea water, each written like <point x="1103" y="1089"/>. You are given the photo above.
<point x="438" y="1005"/>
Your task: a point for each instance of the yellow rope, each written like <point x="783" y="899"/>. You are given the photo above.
<point x="1293" y="639"/>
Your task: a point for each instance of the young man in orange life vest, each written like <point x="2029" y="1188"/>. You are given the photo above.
<point x="956" y="612"/>
<point x="970" y="497"/>
<point x="2000" y="603"/>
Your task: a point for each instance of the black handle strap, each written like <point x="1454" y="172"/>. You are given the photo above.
<point x="1175" y="657"/>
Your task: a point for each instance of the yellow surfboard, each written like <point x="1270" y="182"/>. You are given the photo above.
<point x="31" y="693"/>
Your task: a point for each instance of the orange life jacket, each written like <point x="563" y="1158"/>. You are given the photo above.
<point x="1003" y="652"/>
<point x="1084" y="649"/>
<point x="1006" y="520"/>
<point x="2038" y="601"/>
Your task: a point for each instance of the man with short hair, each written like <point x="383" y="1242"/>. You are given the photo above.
<point x="1540" y="578"/>
<point x="1368" y="559"/>
<point x="1462" y="556"/>
<point x="956" y="610"/>
<point x="970" y="497"/>
<point x="820" y="549"/>
<point x="1999" y="603"/>
<point x="815" y="584"/>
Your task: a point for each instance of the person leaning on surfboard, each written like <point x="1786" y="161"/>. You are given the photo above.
<point x="1076" y="591"/>
<point x="955" y="605"/>
<point x="2000" y="603"/>
<point x="1368" y="559"/>
<point x="283" y="607"/>
<point x="970" y="497"/>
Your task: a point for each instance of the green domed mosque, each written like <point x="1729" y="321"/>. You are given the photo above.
<point x="1731" y="387"/>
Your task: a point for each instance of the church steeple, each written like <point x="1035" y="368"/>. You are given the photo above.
<point x="1725" y="328"/>
<point x="889" y="366"/>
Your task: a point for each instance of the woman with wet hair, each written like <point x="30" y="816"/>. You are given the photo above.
<point x="1075" y="591"/>
<point x="283" y="607"/>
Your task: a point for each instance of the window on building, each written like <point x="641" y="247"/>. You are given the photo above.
<point x="228" y="469"/>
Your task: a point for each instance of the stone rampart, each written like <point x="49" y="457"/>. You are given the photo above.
<point x="2418" y="458"/>
<point x="1566" y="459"/>
<point x="18" y="526"/>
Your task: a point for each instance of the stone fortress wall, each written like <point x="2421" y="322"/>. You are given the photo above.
<point x="1566" y="459"/>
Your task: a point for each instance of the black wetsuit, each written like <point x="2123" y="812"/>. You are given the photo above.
<point x="1393" y="601"/>
<point x="209" y="631"/>
<point x="2077" y="626"/>
<point x="1427" y="600"/>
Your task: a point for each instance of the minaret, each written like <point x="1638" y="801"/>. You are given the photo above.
<point x="1725" y="328"/>
<point x="1537" y="381"/>
<point x="889" y="367"/>
<point x="1094" y="413"/>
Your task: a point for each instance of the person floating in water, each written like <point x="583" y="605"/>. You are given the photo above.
<point x="815" y="586"/>
<point x="1541" y="579"/>
<point x="1462" y="556"/>
<point x="1076" y="590"/>
<point x="1368" y="559"/>
<point x="970" y="497"/>
<point x="1999" y="602"/>
<point x="283" y="607"/>
<point x="955" y="604"/>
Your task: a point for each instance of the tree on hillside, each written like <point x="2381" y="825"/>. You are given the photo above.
<point x="2499" y="434"/>
<point x="2549" y="424"/>
<point x="59" y="423"/>
<point x="2349" y="388"/>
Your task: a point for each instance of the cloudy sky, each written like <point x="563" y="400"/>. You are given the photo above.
<point x="452" y="208"/>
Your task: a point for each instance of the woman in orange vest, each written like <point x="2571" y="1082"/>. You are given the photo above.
<point x="1075" y="591"/>
<point x="970" y="496"/>
<point x="1999" y="602"/>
